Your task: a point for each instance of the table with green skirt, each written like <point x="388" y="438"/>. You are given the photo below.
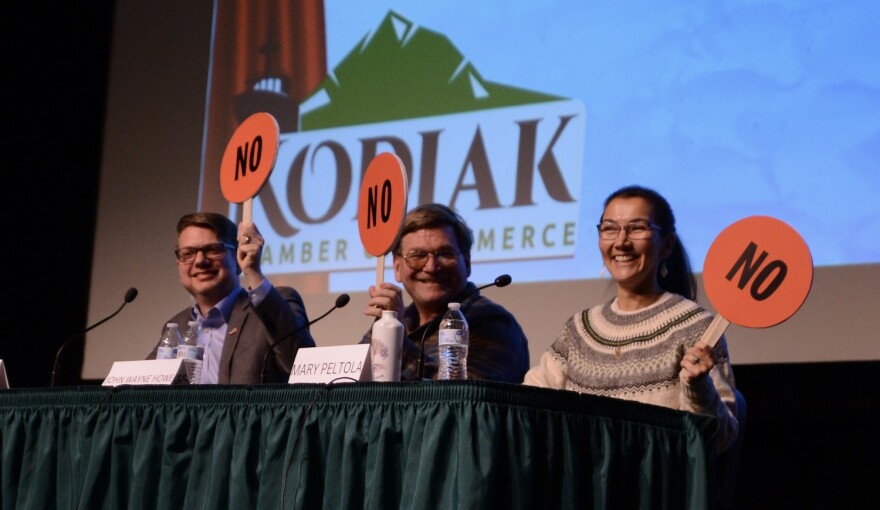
<point x="428" y="445"/>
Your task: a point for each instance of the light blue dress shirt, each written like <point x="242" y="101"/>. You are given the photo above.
<point x="214" y="328"/>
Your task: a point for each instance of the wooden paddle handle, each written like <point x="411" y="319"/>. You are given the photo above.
<point x="714" y="331"/>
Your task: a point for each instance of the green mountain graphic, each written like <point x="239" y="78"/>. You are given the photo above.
<point x="404" y="72"/>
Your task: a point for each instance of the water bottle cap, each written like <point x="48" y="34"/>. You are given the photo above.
<point x="171" y="325"/>
<point x="454" y="306"/>
<point x="392" y="313"/>
<point x="193" y="323"/>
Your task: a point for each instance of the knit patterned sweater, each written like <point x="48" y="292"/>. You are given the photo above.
<point x="636" y="356"/>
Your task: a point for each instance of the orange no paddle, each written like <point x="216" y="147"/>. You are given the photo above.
<point x="758" y="272"/>
<point x="249" y="157"/>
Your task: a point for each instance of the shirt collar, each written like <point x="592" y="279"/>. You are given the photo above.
<point x="224" y="307"/>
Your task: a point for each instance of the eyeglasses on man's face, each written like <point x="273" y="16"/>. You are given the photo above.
<point x="214" y="251"/>
<point x="608" y="230"/>
<point x="416" y="259"/>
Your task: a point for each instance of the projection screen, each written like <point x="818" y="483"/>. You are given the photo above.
<point x="523" y="116"/>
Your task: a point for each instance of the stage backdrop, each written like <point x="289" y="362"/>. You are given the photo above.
<point x="520" y="115"/>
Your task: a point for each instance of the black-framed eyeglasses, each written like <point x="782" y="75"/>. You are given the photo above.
<point x="609" y="230"/>
<point x="214" y="251"/>
<point x="416" y="259"/>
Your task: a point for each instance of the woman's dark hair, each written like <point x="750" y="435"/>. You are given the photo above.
<point x="679" y="278"/>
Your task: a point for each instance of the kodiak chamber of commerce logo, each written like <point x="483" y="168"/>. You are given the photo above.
<point x="495" y="153"/>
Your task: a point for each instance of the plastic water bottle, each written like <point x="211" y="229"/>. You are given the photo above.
<point x="190" y="349"/>
<point x="453" y="344"/>
<point x="169" y="342"/>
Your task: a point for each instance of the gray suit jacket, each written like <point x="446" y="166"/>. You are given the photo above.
<point x="281" y="316"/>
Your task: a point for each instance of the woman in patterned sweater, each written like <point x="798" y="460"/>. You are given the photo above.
<point x="642" y="344"/>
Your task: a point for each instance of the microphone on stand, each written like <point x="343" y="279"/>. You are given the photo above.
<point x="502" y="281"/>
<point x="341" y="301"/>
<point x="130" y="294"/>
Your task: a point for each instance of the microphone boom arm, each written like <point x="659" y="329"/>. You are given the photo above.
<point x="341" y="301"/>
<point x="130" y="294"/>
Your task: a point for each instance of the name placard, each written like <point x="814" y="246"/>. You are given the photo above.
<point x="153" y="371"/>
<point x="339" y="363"/>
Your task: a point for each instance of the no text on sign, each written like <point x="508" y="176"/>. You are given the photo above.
<point x="758" y="272"/>
<point x="382" y="203"/>
<point x="249" y="157"/>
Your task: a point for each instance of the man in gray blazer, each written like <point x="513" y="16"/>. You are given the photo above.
<point x="238" y="325"/>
